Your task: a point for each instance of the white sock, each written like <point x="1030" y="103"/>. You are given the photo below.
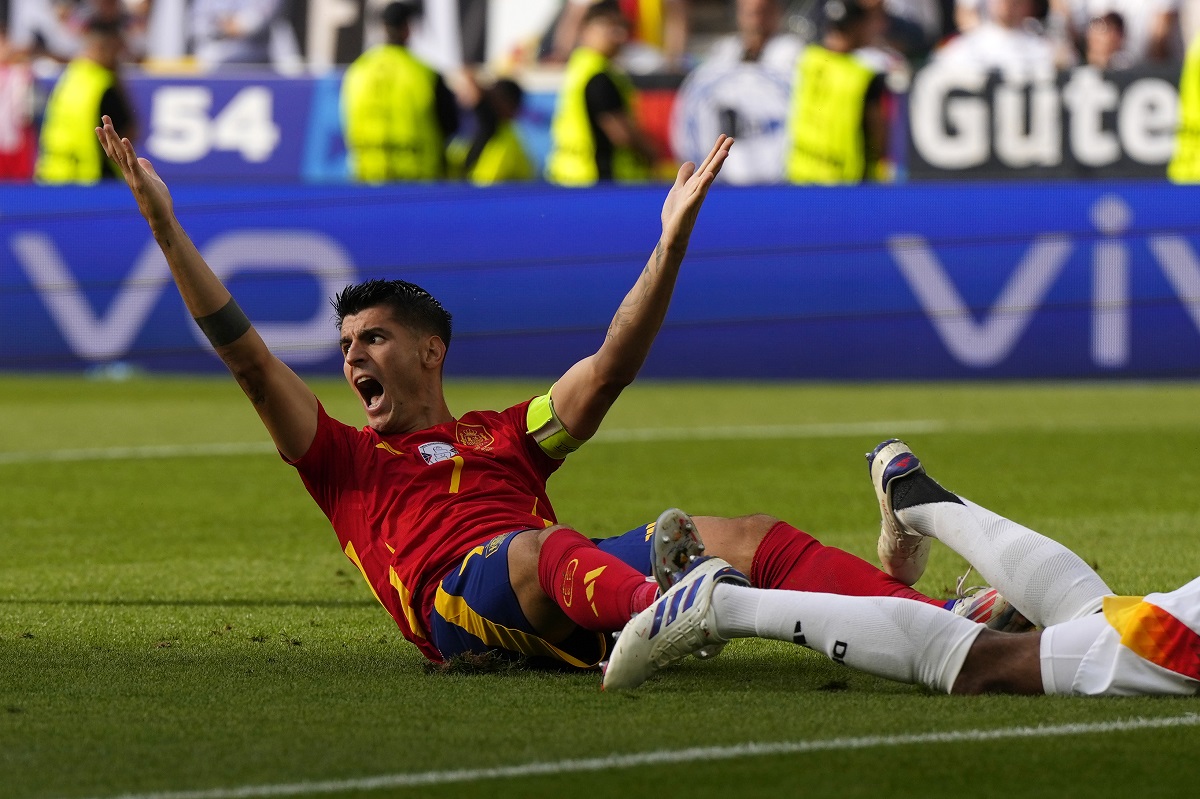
<point x="899" y="639"/>
<point x="1047" y="582"/>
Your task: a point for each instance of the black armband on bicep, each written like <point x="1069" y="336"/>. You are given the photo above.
<point x="224" y="326"/>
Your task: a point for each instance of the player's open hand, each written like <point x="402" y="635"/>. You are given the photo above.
<point x="687" y="195"/>
<point x="153" y="199"/>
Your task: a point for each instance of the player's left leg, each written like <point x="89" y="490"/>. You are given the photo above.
<point x="1047" y="582"/>
<point x="898" y="639"/>
<point x="773" y="554"/>
<point x="561" y="578"/>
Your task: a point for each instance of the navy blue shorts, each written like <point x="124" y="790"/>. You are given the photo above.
<point x="476" y="609"/>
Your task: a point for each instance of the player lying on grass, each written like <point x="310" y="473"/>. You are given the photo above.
<point x="447" y="518"/>
<point x="1094" y="643"/>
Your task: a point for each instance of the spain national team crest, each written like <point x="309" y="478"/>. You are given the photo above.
<point x="475" y="436"/>
<point x="436" y="452"/>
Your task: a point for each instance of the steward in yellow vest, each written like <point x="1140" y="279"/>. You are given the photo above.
<point x="397" y="113"/>
<point x="495" y="154"/>
<point x="593" y="136"/>
<point x="68" y="150"/>
<point x="1185" y="165"/>
<point x="836" y="128"/>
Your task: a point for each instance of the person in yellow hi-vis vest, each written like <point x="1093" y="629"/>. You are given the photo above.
<point x="495" y="153"/>
<point x="397" y="113"/>
<point x="88" y="88"/>
<point x="1185" y="165"/>
<point x="594" y="135"/>
<point x="837" y="131"/>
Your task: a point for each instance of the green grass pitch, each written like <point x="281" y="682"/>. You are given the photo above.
<point x="186" y="623"/>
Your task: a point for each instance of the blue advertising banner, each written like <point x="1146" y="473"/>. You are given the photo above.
<point x="1064" y="281"/>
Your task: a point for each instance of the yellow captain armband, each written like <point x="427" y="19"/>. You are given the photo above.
<point x="547" y="429"/>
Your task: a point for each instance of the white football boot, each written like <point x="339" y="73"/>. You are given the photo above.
<point x="680" y="623"/>
<point x="987" y="606"/>
<point x="903" y="552"/>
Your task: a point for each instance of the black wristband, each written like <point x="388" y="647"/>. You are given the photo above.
<point x="225" y="326"/>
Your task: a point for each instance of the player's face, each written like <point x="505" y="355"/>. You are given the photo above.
<point x="391" y="367"/>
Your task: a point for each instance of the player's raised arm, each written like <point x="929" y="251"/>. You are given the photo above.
<point x="585" y="393"/>
<point x="284" y="403"/>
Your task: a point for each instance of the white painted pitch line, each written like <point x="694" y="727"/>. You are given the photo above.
<point x="730" y="433"/>
<point x="707" y="753"/>
<point x="135" y="453"/>
<point x="620" y="436"/>
<point x="741" y="432"/>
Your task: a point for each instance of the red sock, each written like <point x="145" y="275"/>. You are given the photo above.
<point x="596" y="590"/>
<point x="791" y="559"/>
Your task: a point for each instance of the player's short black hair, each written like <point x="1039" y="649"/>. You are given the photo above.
<point x="412" y="305"/>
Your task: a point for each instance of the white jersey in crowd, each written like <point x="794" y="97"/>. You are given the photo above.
<point x="16" y="87"/>
<point x="1016" y="53"/>
<point x="779" y="53"/>
<point x="728" y="94"/>
<point x="1139" y="16"/>
<point x="927" y="14"/>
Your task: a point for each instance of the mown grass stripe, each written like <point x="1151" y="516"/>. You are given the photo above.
<point x="725" y="433"/>
<point x="660" y="757"/>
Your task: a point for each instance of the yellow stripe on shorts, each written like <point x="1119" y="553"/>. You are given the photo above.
<point x="455" y="610"/>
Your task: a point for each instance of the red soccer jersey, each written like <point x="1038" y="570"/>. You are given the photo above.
<point x="408" y="508"/>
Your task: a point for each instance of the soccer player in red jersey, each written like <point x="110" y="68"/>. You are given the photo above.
<point x="448" y="518"/>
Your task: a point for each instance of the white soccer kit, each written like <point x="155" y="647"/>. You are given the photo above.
<point x="1135" y="646"/>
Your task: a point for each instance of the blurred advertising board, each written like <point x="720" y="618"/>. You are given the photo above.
<point x="932" y="281"/>
<point x="1081" y="123"/>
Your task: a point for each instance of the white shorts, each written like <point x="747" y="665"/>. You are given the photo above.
<point x="1137" y="646"/>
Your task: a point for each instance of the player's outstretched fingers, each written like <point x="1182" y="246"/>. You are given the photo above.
<point x="716" y="154"/>
<point x="719" y="154"/>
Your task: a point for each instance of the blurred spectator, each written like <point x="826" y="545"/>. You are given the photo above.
<point x="1185" y="165"/>
<point x="969" y="14"/>
<point x="495" y="153"/>
<point x="54" y="29"/>
<point x="837" y="128"/>
<point x="88" y="88"/>
<point x="1104" y="47"/>
<point x="743" y="89"/>
<point x="129" y="15"/>
<point x="1009" y="41"/>
<point x="17" y="142"/>
<point x="41" y="28"/>
<point x="436" y="37"/>
<point x="914" y="26"/>
<point x="234" y="31"/>
<point x="760" y="38"/>
<point x="397" y="112"/>
<point x="658" y="33"/>
<point x="594" y="136"/>
<point x="1152" y="31"/>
